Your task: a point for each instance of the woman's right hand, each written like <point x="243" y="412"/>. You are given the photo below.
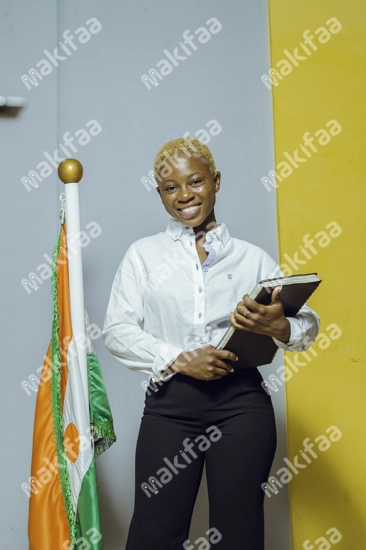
<point x="205" y="363"/>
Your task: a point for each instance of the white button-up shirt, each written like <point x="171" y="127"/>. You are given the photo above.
<point x="164" y="302"/>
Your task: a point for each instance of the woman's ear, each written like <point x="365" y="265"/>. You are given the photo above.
<point x="217" y="180"/>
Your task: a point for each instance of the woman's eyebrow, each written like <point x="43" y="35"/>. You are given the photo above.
<point x="190" y="175"/>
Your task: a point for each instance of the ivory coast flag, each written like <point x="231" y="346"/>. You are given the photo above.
<point x="72" y="426"/>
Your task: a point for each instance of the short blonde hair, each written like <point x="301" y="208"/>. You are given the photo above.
<point x="186" y="146"/>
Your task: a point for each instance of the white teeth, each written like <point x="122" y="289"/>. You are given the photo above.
<point x="191" y="208"/>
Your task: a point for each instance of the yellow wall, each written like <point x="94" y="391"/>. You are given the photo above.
<point x="330" y="186"/>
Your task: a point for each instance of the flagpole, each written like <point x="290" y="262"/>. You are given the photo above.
<point x="70" y="172"/>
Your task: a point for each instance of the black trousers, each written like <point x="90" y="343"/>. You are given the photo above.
<point x="228" y="424"/>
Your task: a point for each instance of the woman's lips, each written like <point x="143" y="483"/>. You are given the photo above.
<point x="190" y="212"/>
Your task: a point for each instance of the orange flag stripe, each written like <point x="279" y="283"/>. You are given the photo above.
<point x="65" y="330"/>
<point x="47" y="506"/>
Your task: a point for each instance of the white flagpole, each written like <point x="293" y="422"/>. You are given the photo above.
<point x="70" y="172"/>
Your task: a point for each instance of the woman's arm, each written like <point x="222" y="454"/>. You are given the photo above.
<point x="123" y="334"/>
<point x="291" y="333"/>
<point x="304" y="326"/>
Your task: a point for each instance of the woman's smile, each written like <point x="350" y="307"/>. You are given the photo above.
<point x="189" y="212"/>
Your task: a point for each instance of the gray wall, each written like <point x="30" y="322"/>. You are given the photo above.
<point x="102" y="81"/>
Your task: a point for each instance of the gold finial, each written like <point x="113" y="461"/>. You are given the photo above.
<point x="70" y="171"/>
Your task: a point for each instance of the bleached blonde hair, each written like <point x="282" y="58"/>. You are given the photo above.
<point x="187" y="146"/>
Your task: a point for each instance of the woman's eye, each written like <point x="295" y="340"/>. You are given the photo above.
<point x="196" y="181"/>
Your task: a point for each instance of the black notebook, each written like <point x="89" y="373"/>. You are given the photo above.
<point x="255" y="349"/>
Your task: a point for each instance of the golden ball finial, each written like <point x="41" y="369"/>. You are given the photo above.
<point x="70" y="171"/>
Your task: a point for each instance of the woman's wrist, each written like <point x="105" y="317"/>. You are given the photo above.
<point x="180" y="363"/>
<point x="283" y="331"/>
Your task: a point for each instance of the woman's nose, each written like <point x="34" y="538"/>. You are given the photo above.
<point x="185" y="194"/>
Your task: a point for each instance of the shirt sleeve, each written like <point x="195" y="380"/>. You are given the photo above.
<point x="123" y="332"/>
<point x="304" y="325"/>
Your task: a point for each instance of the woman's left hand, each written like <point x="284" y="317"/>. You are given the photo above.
<point x="269" y="320"/>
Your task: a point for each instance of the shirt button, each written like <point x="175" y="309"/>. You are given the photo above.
<point x="200" y="315"/>
<point x="199" y="289"/>
<point x="205" y="269"/>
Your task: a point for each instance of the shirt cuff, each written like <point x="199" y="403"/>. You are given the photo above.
<point x="163" y="360"/>
<point x="296" y="341"/>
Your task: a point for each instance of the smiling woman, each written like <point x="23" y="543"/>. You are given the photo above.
<point x="188" y="184"/>
<point x="171" y="333"/>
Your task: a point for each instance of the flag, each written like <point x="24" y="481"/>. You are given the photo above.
<point x="73" y="424"/>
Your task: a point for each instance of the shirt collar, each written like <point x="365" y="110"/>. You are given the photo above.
<point x="177" y="230"/>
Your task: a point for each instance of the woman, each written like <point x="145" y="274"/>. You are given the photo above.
<point x="169" y="307"/>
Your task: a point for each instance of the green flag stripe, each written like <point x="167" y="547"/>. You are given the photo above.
<point x="101" y="421"/>
<point x="89" y="529"/>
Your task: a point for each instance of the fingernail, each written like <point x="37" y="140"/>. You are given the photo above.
<point x="232" y="370"/>
<point x="237" y="359"/>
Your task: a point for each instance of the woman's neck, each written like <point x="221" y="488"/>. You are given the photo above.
<point x="209" y="224"/>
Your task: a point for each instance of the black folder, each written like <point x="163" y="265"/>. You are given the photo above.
<point x="255" y="349"/>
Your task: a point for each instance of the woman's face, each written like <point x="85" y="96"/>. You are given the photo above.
<point x="189" y="191"/>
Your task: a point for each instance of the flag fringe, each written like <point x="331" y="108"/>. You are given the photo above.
<point x="104" y="436"/>
<point x="101" y="421"/>
<point x="57" y="402"/>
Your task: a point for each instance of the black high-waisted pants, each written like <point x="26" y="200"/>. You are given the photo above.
<point x="227" y="423"/>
